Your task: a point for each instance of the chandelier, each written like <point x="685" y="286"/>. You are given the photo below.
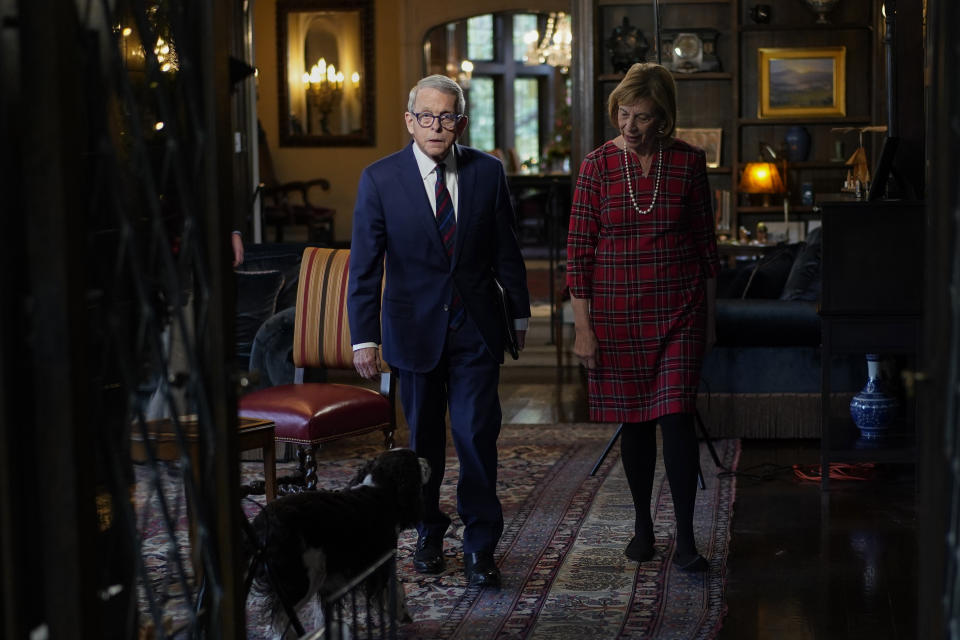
<point x="554" y="48"/>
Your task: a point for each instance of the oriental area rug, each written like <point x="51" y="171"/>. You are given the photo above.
<point x="561" y="556"/>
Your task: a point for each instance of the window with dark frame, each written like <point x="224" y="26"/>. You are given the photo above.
<point x="512" y="105"/>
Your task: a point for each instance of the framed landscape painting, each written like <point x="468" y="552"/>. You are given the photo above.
<point x="706" y="139"/>
<point x="805" y="81"/>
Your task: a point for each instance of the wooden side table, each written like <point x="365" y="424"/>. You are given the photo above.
<point x="252" y="433"/>
<point x="730" y="251"/>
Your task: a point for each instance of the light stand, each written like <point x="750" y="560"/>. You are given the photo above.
<point x="706" y="438"/>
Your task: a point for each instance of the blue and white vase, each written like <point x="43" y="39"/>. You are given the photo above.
<point x="873" y="409"/>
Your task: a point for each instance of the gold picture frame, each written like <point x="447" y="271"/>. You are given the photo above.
<point x="707" y="139"/>
<point x="802" y="81"/>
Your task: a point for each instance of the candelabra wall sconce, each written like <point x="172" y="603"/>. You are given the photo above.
<point x="324" y="87"/>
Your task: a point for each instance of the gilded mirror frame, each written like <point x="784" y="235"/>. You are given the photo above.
<point x="298" y="106"/>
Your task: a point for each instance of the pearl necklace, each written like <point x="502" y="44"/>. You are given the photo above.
<point x="656" y="183"/>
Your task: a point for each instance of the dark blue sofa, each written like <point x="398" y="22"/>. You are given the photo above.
<point x="762" y="379"/>
<point x="266" y="296"/>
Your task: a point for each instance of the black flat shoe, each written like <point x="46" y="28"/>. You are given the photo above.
<point x="481" y="570"/>
<point x="428" y="558"/>
<point x="691" y="564"/>
<point x="639" y="551"/>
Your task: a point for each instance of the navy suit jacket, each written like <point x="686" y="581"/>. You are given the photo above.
<point x="393" y="220"/>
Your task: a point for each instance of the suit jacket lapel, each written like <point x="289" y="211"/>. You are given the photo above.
<point x="466" y="183"/>
<point x="412" y="183"/>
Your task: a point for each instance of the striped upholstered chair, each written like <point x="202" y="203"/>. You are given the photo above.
<point x="309" y="414"/>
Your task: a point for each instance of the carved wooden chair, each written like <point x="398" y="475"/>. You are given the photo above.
<point x="284" y="204"/>
<point x="309" y="414"/>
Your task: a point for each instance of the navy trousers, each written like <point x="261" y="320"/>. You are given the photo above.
<point x="466" y="381"/>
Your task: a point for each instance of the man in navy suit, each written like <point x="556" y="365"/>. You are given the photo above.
<point x="445" y="240"/>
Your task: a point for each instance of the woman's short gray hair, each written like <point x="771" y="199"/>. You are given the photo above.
<point x="440" y="83"/>
<point x="647" y="80"/>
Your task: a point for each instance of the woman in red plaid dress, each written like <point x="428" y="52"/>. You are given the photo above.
<point x="642" y="266"/>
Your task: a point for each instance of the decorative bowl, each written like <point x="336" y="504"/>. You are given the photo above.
<point x="822" y="8"/>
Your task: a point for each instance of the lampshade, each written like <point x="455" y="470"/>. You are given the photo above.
<point x="761" y="177"/>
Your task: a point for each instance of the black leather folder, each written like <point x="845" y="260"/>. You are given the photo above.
<point x="506" y="321"/>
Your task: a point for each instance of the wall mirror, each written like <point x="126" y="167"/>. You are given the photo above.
<point x="325" y="54"/>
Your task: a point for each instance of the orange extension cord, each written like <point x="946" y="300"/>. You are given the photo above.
<point x="838" y="471"/>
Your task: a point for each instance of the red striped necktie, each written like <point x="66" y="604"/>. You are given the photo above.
<point x="447" y="225"/>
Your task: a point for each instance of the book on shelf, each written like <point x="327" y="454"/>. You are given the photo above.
<point x="722" y="203"/>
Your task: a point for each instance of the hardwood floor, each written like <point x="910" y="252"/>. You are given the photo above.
<point x="803" y="565"/>
<point x="542" y="395"/>
<point x="807" y="564"/>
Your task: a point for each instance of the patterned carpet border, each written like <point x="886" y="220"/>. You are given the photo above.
<point x="561" y="555"/>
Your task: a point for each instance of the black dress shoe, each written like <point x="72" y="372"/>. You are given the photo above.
<point x="692" y="563"/>
<point x="481" y="570"/>
<point x="428" y="557"/>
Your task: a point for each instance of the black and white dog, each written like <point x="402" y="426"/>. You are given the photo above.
<point x="310" y="544"/>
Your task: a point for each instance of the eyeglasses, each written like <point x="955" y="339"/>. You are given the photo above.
<point x="447" y="120"/>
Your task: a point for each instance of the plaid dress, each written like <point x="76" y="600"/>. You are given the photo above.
<point x="645" y="278"/>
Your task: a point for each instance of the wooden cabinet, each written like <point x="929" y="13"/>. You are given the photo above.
<point x="872" y="302"/>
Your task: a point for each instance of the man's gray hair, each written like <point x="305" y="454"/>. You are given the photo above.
<point x="440" y="83"/>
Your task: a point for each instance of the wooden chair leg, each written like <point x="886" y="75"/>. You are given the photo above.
<point x="301" y="460"/>
<point x="299" y="481"/>
<point x="310" y="468"/>
<point x="388" y="440"/>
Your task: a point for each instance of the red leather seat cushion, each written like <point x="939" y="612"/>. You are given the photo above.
<point x="311" y="413"/>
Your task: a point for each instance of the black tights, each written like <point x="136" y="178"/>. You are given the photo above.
<point x="681" y="457"/>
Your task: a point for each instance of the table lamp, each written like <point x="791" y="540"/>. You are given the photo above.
<point x="763" y="178"/>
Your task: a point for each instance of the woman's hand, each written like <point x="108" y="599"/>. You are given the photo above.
<point x="586" y="347"/>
